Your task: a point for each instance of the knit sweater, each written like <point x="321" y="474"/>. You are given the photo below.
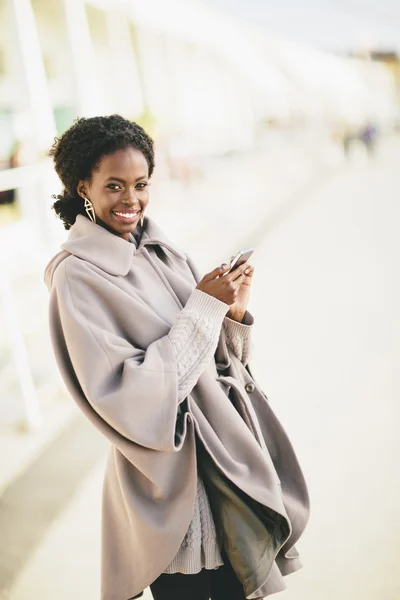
<point x="194" y="338"/>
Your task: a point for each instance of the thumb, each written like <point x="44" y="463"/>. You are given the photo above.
<point x="218" y="271"/>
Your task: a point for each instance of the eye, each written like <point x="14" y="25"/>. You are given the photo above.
<point x="111" y="184"/>
<point x="142" y="185"/>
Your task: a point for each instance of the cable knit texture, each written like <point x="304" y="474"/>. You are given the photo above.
<point x="199" y="549"/>
<point x="238" y="337"/>
<point x="195" y="336"/>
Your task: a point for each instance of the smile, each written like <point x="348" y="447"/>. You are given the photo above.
<point x="126" y="216"/>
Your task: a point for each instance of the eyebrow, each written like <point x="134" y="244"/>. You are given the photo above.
<point x="123" y="180"/>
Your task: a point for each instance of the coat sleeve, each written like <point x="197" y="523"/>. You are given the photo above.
<point x="135" y="391"/>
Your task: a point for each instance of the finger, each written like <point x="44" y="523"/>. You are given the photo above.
<point x="216" y="272"/>
<point x="239" y="278"/>
<point x="247" y="274"/>
<point x="249" y="271"/>
<point x="236" y="272"/>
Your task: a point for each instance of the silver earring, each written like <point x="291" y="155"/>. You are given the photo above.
<point x="90" y="210"/>
<point x="142" y="219"/>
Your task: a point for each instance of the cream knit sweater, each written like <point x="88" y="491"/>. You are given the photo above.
<point x="194" y="338"/>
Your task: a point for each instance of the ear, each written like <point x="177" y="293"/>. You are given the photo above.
<point x="81" y="188"/>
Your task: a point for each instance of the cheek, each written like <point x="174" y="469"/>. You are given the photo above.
<point x="107" y="199"/>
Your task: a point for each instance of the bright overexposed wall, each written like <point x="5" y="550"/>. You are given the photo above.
<point x="205" y="78"/>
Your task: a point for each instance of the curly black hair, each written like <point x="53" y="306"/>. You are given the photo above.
<point x="77" y="153"/>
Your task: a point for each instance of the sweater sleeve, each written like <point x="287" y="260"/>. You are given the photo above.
<point x="238" y="336"/>
<point x="135" y="390"/>
<point x="194" y="338"/>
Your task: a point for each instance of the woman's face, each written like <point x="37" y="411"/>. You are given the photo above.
<point x="118" y="190"/>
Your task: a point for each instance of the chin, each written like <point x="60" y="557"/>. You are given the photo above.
<point x="120" y="229"/>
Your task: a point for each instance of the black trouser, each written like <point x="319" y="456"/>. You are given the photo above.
<point x="217" y="584"/>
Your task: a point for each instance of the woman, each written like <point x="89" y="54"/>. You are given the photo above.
<point x="203" y="495"/>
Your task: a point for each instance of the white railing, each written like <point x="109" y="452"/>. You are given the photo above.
<point x="23" y="244"/>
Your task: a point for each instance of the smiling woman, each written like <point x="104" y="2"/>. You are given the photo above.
<point x="120" y="199"/>
<point x="140" y="184"/>
<point x="203" y="495"/>
<point x="105" y="164"/>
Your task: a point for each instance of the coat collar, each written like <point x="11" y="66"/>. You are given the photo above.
<point x="109" y="252"/>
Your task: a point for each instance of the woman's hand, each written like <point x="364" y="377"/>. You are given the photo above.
<point x="239" y="306"/>
<point x="226" y="288"/>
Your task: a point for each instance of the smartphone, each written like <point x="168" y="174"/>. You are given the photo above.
<point x="240" y="258"/>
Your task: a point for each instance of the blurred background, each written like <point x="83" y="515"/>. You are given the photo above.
<point x="277" y="126"/>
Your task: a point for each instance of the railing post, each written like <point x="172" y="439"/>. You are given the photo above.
<point x="32" y="418"/>
<point x="32" y="97"/>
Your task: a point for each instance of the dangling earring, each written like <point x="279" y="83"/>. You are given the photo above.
<point x="142" y="219"/>
<point x="90" y="210"/>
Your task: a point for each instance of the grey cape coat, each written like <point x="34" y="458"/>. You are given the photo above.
<point x="110" y="341"/>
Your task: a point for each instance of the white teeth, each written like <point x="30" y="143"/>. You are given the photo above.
<point x="126" y="215"/>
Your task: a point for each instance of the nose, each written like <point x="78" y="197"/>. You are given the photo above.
<point x="131" y="198"/>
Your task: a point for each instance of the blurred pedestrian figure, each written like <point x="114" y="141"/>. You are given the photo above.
<point x="368" y="135"/>
<point x="203" y="495"/>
